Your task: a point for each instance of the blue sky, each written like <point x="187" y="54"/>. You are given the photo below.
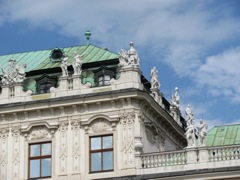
<point x="195" y="45"/>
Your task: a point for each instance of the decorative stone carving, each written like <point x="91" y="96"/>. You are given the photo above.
<point x="126" y="118"/>
<point x="155" y="84"/>
<point x="14" y="74"/>
<point x="77" y="63"/>
<point x="75" y="126"/>
<point x="64" y="66"/>
<point x="128" y="57"/>
<point x="76" y="150"/>
<point x="3" y="158"/>
<point x="127" y="136"/>
<point x="15" y="157"/>
<point x="189" y="115"/>
<point x="175" y="98"/>
<point x="40" y="132"/>
<point x="15" y="131"/>
<point x="202" y="132"/>
<point x="190" y="131"/>
<point x="4" y="131"/>
<point x="128" y="144"/>
<point x="99" y="125"/>
<point x="63" y="125"/>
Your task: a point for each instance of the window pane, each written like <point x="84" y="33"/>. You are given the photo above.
<point x="107" y="160"/>
<point x="107" y="142"/>
<point x="95" y="143"/>
<point x="107" y="78"/>
<point x="96" y="162"/>
<point x="34" y="168"/>
<point x="46" y="167"/>
<point x="46" y="149"/>
<point x="35" y="150"/>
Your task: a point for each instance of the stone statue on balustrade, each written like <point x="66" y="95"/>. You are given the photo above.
<point x="155" y="84"/>
<point x="64" y="66"/>
<point x="189" y="115"/>
<point x="190" y="135"/>
<point x="77" y="63"/>
<point x="190" y="130"/>
<point x="175" y="99"/>
<point x="129" y="57"/>
<point x="202" y="132"/>
<point x="14" y="74"/>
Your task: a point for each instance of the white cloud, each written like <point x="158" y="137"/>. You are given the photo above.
<point x="180" y="33"/>
<point x="221" y="73"/>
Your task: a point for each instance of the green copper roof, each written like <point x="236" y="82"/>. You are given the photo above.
<point x="223" y="135"/>
<point x="37" y="60"/>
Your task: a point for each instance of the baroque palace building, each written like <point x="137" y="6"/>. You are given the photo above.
<point x="84" y="112"/>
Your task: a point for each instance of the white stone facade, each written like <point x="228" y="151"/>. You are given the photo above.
<point x="148" y="141"/>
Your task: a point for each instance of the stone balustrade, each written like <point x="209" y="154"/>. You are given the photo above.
<point x="224" y="153"/>
<point x="163" y="159"/>
<point x="197" y="155"/>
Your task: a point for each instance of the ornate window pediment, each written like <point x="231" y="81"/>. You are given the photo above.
<point x="99" y="123"/>
<point x="39" y="131"/>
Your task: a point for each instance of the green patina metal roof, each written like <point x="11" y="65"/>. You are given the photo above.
<point x="223" y="135"/>
<point x="38" y="60"/>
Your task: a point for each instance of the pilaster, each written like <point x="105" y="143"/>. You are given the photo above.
<point x="191" y="156"/>
<point x="175" y="112"/>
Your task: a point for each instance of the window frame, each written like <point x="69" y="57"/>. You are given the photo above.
<point x="102" y="72"/>
<point x="40" y="157"/>
<point x="101" y="150"/>
<point x="104" y="81"/>
<point x="45" y="79"/>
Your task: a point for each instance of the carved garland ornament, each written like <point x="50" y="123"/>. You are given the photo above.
<point x="99" y="125"/>
<point x="39" y="131"/>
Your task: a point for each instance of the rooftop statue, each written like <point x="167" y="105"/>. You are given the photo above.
<point x="77" y="63"/>
<point x="14" y="74"/>
<point x="202" y="132"/>
<point x="155" y="84"/>
<point x="190" y="135"/>
<point x="129" y="57"/>
<point x="175" y="99"/>
<point x="64" y="66"/>
<point x="190" y="131"/>
<point x="189" y="115"/>
<point x="133" y="55"/>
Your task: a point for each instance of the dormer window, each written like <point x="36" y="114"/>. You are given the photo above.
<point x="45" y="82"/>
<point x="56" y="54"/>
<point x="103" y="76"/>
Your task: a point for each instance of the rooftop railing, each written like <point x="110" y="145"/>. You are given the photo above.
<point x="196" y="155"/>
<point x="163" y="159"/>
